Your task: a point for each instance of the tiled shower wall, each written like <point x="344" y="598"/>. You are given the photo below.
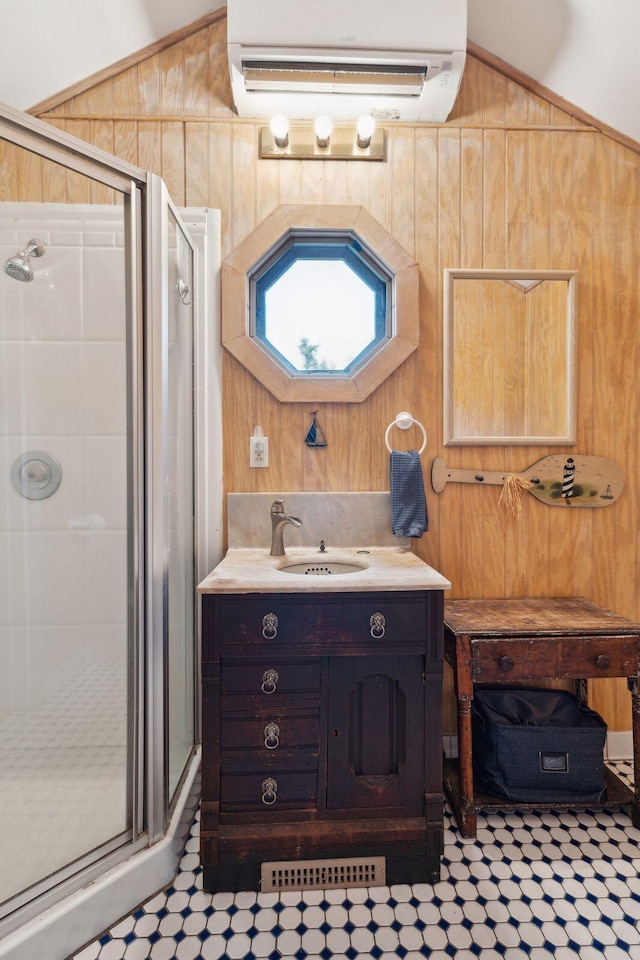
<point x="62" y="387"/>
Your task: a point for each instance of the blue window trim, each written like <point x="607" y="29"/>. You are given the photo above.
<point x="336" y="245"/>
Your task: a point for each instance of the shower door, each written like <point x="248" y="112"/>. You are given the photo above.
<point x="171" y="586"/>
<point x="181" y="480"/>
<point x="69" y="518"/>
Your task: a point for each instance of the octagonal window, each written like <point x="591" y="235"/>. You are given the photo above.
<point x="320" y="304"/>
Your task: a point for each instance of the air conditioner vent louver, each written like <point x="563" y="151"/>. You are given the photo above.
<point x="323" y="874"/>
<point x="336" y="69"/>
<point x="345" y="78"/>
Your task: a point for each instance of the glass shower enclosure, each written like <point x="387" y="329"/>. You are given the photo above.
<point x="98" y="711"/>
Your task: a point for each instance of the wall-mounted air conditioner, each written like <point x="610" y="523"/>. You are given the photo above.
<point x="395" y="60"/>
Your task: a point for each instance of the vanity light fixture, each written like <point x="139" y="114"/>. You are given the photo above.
<point x="321" y="140"/>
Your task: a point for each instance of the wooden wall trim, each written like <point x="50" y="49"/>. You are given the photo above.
<point x="512" y="73"/>
<point x="448" y="124"/>
<point x="45" y="106"/>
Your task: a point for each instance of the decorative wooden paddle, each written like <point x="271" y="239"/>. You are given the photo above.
<point x="557" y="480"/>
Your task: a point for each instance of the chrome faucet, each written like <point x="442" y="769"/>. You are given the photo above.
<point x="279" y="520"/>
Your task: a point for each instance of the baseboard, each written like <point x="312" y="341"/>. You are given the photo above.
<point x="450" y="746"/>
<point x="619" y="745"/>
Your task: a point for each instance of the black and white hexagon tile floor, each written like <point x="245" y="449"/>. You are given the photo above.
<point x="530" y="886"/>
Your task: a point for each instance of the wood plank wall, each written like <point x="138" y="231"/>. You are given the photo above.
<point x="511" y="181"/>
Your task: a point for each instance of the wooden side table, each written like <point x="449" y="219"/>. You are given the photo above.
<point x="529" y="640"/>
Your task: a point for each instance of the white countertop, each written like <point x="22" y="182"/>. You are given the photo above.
<point x="384" y="568"/>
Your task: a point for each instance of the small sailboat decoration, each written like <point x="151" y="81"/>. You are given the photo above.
<point x="315" y="436"/>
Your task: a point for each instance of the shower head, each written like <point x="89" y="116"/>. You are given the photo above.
<point x="19" y="267"/>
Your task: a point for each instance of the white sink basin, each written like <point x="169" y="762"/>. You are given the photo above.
<point x="322" y="568"/>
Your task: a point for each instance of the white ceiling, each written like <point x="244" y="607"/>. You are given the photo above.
<point x="582" y="50"/>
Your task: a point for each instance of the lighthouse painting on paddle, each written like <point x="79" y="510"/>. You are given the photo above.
<point x="557" y="480"/>
<point x="579" y="481"/>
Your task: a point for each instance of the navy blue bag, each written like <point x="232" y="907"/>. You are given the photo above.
<point x="537" y="746"/>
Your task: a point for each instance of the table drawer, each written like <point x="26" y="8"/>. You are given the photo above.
<point x="270" y="678"/>
<point x="553" y="658"/>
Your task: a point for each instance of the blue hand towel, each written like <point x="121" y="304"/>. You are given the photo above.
<point x="408" y="503"/>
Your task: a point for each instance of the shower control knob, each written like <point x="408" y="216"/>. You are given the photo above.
<point x="36" y="475"/>
<point x="35" y="472"/>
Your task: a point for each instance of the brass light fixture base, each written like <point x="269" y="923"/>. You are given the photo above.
<point x="302" y="144"/>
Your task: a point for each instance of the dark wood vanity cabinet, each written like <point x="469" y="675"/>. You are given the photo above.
<point x="322" y="732"/>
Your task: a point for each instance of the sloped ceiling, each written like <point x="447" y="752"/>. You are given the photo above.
<point x="582" y="50"/>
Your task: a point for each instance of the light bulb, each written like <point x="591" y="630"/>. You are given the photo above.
<point x="366" y="127"/>
<point x="323" y="128"/>
<point x="280" y="130"/>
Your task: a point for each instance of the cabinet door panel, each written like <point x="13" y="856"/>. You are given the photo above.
<point x="376" y="732"/>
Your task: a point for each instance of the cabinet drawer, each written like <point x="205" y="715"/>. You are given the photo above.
<point x="269" y="789"/>
<point x="270" y="677"/>
<point x="545" y="658"/>
<point x="273" y="621"/>
<point x="270" y="735"/>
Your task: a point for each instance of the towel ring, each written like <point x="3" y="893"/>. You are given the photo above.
<point x="404" y="420"/>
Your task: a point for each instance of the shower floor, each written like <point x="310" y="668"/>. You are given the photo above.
<point x="64" y="773"/>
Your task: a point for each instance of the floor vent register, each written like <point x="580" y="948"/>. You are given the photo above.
<point x="323" y="874"/>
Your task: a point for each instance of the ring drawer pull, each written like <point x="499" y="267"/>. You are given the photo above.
<point x="269" y="681"/>
<point x="269" y="626"/>
<point x="269" y="791"/>
<point x="603" y="661"/>
<point x="272" y="736"/>
<point x="506" y="664"/>
<point x="377" y="624"/>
